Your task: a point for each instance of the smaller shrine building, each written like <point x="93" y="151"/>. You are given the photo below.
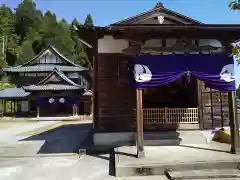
<point x="48" y="85"/>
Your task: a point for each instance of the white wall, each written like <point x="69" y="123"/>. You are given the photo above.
<point x="49" y="57"/>
<point x="24" y="106"/>
<point x="110" y="45"/>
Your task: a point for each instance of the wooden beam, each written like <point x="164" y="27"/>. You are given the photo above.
<point x="139" y="111"/>
<point x="234" y="123"/>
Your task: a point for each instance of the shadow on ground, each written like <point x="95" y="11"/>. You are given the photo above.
<point x="64" y="139"/>
<point x="69" y="139"/>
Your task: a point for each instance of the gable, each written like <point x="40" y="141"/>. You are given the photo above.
<point x="56" y="77"/>
<point x="158" y="15"/>
<point x="49" y="57"/>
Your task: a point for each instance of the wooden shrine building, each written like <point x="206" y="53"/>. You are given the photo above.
<point x="126" y="89"/>
<point x="48" y="85"/>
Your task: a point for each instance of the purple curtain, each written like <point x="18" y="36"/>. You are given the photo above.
<point x="217" y="71"/>
<point x="45" y="101"/>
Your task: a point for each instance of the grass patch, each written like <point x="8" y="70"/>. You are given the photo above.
<point x="6" y="124"/>
<point x="42" y="129"/>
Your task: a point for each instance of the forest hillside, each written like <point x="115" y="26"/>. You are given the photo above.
<point x="26" y="30"/>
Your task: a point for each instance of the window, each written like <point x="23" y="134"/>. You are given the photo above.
<point x="30" y="74"/>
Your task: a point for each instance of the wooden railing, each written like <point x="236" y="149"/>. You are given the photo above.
<point x="170" y="115"/>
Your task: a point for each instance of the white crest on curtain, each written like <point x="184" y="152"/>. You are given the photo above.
<point x="61" y="100"/>
<point x="142" y="73"/>
<point x="227" y="73"/>
<point x="51" y="100"/>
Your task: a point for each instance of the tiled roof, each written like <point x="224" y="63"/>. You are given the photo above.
<point x="156" y="9"/>
<point x="46" y="83"/>
<point x="13" y="93"/>
<point x="50" y="87"/>
<point x="44" y="68"/>
<point x="28" y="67"/>
<point x="56" y="52"/>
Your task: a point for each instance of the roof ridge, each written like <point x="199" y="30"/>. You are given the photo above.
<point x="56" y="51"/>
<point x="64" y="57"/>
<point x="61" y="75"/>
<point x="152" y="10"/>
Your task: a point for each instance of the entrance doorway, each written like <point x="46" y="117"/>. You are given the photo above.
<point x="171" y="104"/>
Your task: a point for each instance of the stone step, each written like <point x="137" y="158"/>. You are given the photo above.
<point x="162" y="142"/>
<point x="161" y="135"/>
<point x="140" y="169"/>
<point x="173" y="138"/>
<point x="168" y="138"/>
<point x="204" y="174"/>
<point x="163" y="177"/>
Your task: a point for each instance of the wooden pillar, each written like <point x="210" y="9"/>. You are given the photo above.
<point x="91" y="107"/>
<point x="234" y="123"/>
<point x="139" y="111"/>
<point x="4" y="106"/>
<point x="200" y="105"/>
<point x="38" y="111"/>
<point x="75" y="110"/>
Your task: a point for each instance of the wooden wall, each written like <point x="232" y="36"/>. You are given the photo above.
<point x="215" y="111"/>
<point x="117" y="97"/>
<point x="116" y="93"/>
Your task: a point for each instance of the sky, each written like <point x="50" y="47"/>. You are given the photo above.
<point x="105" y="12"/>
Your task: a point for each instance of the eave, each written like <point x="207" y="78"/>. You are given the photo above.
<point x="135" y="31"/>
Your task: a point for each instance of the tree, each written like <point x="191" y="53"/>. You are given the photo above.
<point x="88" y="20"/>
<point x="79" y="54"/>
<point x="28" y="31"/>
<point x="27" y="17"/>
<point x="235" y="4"/>
<point x="236" y="51"/>
<point x="26" y="52"/>
<point x="8" y="38"/>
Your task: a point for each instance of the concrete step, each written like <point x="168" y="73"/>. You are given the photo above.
<point x="169" y="138"/>
<point x="162" y="142"/>
<point x="144" y="178"/>
<point x="173" y="138"/>
<point x="161" y="135"/>
<point x="204" y="174"/>
<point x="141" y="169"/>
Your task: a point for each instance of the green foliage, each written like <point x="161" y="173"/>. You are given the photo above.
<point x="8" y="38"/>
<point x="234" y="4"/>
<point x="28" y="31"/>
<point x="88" y="20"/>
<point x="236" y="51"/>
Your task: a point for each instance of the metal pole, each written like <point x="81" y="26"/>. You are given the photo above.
<point x="139" y="111"/>
<point x="234" y="123"/>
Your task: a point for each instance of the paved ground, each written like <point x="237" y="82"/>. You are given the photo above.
<point x="62" y="168"/>
<point x="63" y="139"/>
<point x="49" y="155"/>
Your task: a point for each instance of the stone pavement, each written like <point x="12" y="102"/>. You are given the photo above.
<point x="61" y="168"/>
<point x="51" y="155"/>
<point x="9" y="135"/>
<point x="63" y="139"/>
